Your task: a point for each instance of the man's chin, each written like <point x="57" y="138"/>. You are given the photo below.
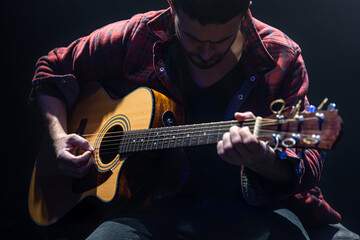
<point x="204" y="64"/>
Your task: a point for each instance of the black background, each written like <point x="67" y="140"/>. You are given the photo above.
<point x="327" y="30"/>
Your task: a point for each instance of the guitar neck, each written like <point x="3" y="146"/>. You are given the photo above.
<point x="177" y="136"/>
<point x="315" y="130"/>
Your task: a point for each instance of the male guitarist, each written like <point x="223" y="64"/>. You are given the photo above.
<point x="218" y="62"/>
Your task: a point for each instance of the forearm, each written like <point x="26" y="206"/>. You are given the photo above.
<point x="54" y="113"/>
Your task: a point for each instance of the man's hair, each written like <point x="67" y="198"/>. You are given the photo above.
<point x="211" y="11"/>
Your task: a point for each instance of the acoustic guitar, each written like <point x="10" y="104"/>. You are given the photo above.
<point x="142" y="121"/>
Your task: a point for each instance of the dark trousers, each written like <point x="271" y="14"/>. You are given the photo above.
<point x="204" y="217"/>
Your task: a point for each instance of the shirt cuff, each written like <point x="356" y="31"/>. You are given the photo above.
<point x="65" y="88"/>
<point x="260" y="191"/>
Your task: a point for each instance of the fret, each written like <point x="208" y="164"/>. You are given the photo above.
<point x="162" y="138"/>
<point x="156" y="138"/>
<point x="190" y="135"/>
<point x="176" y="136"/>
<point x="121" y="144"/>
<point x="126" y="142"/>
<point x="142" y="139"/>
<point x="135" y="140"/>
<point x="214" y="138"/>
<point x="209" y="133"/>
<point x="204" y="134"/>
<point x="139" y="141"/>
<point x="180" y="136"/>
<point x="147" y="139"/>
<point x="131" y="141"/>
<point x="184" y="135"/>
<point x="170" y="137"/>
<point x="200" y="133"/>
<point x="151" y="138"/>
<point x="219" y="132"/>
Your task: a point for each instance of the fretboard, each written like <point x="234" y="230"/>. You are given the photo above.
<point x="174" y="137"/>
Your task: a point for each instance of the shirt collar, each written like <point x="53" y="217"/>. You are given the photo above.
<point x="258" y="57"/>
<point x="162" y="26"/>
<point x="256" y="53"/>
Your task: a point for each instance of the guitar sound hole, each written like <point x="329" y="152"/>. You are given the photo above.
<point x="110" y="144"/>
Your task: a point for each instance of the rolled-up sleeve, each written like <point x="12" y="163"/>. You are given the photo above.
<point x="306" y="164"/>
<point x="98" y="56"/>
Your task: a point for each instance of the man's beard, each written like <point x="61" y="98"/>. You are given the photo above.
<point x="205" y="64"/>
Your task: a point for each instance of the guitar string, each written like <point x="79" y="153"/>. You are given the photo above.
<point x="172" y="144"/>
<point x="135" y="139"/>
<point x="195" y="127"/>
<point x="140" y="134"/>
<point x="184" y="126"/>
<point x="166" y="137"/>
<point x="223" y="123"/>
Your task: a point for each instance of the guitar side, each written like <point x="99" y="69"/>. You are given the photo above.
<point x="52" y="195"/>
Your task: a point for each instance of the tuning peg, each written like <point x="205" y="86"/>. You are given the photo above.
<point x="322" y="104"/>
<point x="332" y="106"/>
<point x="311" y="109"/>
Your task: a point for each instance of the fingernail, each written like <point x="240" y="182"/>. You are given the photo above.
<point x="91" y="148"/>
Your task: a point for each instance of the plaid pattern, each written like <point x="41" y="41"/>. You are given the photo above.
<point x="132" y="52"/>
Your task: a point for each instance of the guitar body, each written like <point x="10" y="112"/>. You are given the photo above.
<point x="96" y="117"/>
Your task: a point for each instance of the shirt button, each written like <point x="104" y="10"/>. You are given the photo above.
<point x="63" y="81"/>
<point x="162" y="69"/>
<point x="240" y="97"/>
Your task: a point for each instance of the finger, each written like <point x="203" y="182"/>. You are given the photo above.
<point x="229" y="152"/>
<point x="240" y="116"/>
<point x="77" y="171"/>
<point x="237" y="142"/>
<point x="71" y="160"/>
<point x="221" y="152"/>
<point x="83" y="170"/>
<point x="76" y="140"/>
<point x="249" y="141"/>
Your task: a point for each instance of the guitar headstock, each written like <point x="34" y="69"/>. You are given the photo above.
<point x="318" y="129"/>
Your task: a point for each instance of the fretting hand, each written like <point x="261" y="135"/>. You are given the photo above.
<point x="239" y="147"/>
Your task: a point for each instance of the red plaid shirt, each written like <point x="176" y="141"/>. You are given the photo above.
<point x="132" y="51"/>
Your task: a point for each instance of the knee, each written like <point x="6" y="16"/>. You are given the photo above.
<point x="119" y="229"/>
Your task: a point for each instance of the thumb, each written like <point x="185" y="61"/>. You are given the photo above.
<point x="240" y="116"/>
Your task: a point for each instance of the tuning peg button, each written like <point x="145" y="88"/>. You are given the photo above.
<point x="283" y="154"/>
<point x="311" y="109"/>
<point x="332" y="106"/>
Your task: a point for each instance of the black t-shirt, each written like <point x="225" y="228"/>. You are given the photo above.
<point x="209" y="173"/>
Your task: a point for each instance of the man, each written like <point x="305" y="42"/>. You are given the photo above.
<point x="215" y="59"/>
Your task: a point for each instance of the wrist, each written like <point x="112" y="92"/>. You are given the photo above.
<point x="275" y="169"/>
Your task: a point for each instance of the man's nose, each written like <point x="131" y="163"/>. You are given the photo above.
<point x="206" y="50"/>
